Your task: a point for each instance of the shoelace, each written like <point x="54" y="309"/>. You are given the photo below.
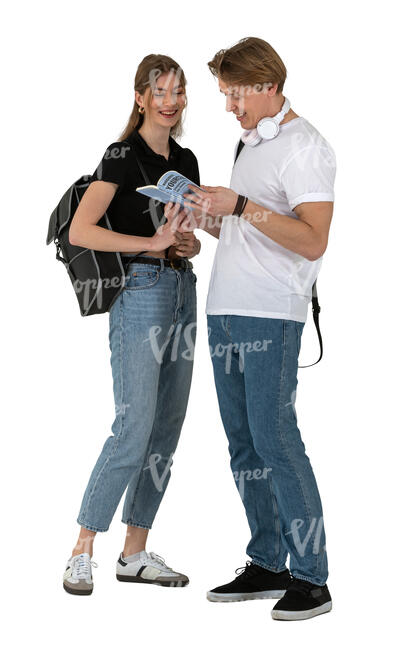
<point x="159" y="560"/>
<point x="248" y="570"/>
<point x="81" y="567"/>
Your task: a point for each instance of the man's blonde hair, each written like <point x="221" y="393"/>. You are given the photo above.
<point x="251" y="61"/>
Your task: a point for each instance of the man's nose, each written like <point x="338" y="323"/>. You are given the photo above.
<point x="229" y="104"/>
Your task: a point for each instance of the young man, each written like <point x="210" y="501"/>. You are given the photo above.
<point x="273" y="225"/>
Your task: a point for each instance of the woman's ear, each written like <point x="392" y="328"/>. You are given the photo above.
<point x="139" y="98"/>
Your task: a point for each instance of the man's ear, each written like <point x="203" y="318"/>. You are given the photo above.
<point x="271" y="91"/>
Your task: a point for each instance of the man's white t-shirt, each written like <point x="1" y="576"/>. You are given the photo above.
<point x="252" y="275"/>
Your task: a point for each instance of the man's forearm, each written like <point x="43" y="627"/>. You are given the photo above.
<point x="290" y="232"/>
<point x="210" y="224"/>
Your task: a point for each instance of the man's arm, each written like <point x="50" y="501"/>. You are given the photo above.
<point x="308" y="235"/>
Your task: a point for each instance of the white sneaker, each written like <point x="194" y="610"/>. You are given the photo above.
<point x="148" y="568"/>
<point x="77" y="578"/>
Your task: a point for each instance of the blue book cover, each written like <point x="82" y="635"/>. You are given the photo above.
<point x="170" y="187"/>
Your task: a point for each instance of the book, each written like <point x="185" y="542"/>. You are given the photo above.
<point x="170" y="187"/>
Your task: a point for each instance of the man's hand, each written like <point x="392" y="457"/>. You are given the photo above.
<point x="187" y="245"/>
<point x="213" y="201"/>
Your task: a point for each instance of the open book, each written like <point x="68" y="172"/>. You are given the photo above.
<point x="170" y="187"/>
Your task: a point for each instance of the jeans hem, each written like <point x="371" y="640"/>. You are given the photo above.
<point x="130" y="522"/>
<point x="96" y="529"/>
<point x="300" y="577"/>
<point x="268" y="566"/>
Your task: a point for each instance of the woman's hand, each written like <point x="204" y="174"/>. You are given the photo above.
<point x="167" y="235"/>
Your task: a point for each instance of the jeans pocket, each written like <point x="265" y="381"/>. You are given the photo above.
<point x="138" y="280"/>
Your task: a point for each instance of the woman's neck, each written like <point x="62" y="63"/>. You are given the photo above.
<point x="157" y="138"/>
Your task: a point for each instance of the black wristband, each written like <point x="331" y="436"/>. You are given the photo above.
<point x="243" y="206"/>
<point x="240" y="204"/>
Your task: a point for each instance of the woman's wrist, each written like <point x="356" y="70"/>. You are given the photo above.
<point x="152" y="243"/>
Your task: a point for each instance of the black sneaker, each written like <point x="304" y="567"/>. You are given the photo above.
<point x="302" y="600"/>
<point x="253" y="583"/>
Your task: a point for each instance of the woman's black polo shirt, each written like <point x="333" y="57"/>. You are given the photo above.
<point x="129" y="211"/>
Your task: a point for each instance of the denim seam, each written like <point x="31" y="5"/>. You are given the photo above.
<point x="301" y="577"/>
<point x="131" y="522"/>
<point x="276" y="519"/>
<point x="96" y="529"/>
<point x="121" y="414"/>
<point x="268" y="566"/>
<point x="298" y="345"/>
<point x="176" y="309"/>
<point x="141" y="470"/>
<point x="281" y="436"/>
<point x="228" y="326"/>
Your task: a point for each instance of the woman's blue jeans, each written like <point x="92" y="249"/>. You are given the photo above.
<point x="152" y="336"/>
<point x="255" y="362"/>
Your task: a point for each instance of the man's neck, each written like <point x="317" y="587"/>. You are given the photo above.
<point x="276" y="108"/>
<point x="291" y="115"/>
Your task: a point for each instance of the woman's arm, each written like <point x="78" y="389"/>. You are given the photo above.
<point x="93" y="205"/>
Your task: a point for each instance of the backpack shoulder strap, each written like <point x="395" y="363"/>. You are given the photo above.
<point x="239" y="149"/>
<point x="315" y="312"/>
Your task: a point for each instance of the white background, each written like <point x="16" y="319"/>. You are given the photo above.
<point x="68" y="71"/>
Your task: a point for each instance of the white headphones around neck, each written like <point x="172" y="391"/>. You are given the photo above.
<point x="267" y="128"/>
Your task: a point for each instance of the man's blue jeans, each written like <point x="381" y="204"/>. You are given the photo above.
<point x="255" y="362"/>
<point x="151" y="336"/>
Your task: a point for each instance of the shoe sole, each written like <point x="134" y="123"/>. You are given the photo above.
<point x="77" y="592"/>
<point x="235" y="598"/>
<point x="283" y="615"/>
<point x="172" y="583"/>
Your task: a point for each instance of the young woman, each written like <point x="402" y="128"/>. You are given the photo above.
<point x="152" y="326"/>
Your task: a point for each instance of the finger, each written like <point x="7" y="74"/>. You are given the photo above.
<point x="172" y="220"/>
<point x="173" y="209"/>
<point x="187" y="226"/>
<point x="194" y="188"/>
<point x="196" y="196"/>
<point x="188" y="235"/>
<point x="177" y="223"/>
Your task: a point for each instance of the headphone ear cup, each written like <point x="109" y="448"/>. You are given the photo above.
<point x="267" y="128"/>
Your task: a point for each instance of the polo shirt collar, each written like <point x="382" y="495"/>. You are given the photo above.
<point x="174" y="147"/>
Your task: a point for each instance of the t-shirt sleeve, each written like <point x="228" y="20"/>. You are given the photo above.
<point x="309" y="175"/>
<point x="114" y="164"/>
